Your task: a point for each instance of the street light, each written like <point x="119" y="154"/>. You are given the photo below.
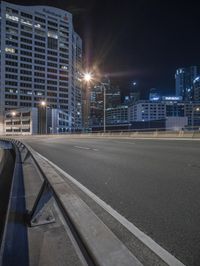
<point x="43" y="103"/>
<point x="87" y="77"/>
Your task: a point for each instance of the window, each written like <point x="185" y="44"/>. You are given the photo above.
<point x="52" y="64"/>
<point x="26" y="53"/>
<point x="11" y="11"/>
<point x="12" y="70"/>
<point x="25" y="85"/>
<point x="52" y="53"/>
<point x="26" y="34"/>
<point x="11" y="43"/>
<point x="51" y="76"/>
<point x="63" y="83"/>
<point x="38" y="86"/>
<point x="10" y="50"/>
<point x="51" y="88"/>
<point x="39" y="74"/>
<point x="64" y="61"/>
<point x="26" y="59"/>
<point x="11" y="83"/>
<point x="39" y="19"/>
<point x="39" y="68"/>
<point x="40" y="32"/>
<point x="25" y="15"/>
<point x="40" y="50"/>
<point x="52" y="58"/>
<point x="52" y="70"/>
<point x="64" y="55"/>
<point x="40" y="44"/>
<point x="40" y="38"/>
<point x="24" y="46"/>
<point x="13" y="24"/>
<point x="10" y="56"/>
<point x="41" y="56"/>
<point x="23" y="27"/>
<point x="64" y="50"/>
<point x="52" y="23"/>
<point x="8" y="96"/>
<point x="53" y="82"/>
<point x="24" y="78"/>
<point x="39" y="62"/>
<point x="11" y="37"/>
<point x="25" y="66"/>
<point x="25" y="72"/>
<point x="52" y="43"/>
<point x="26" y="40"/>
<point x="39" y="80"/>
<point x="10" y="63"/>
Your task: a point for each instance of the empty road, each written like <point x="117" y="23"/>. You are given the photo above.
<point x="155" y="184"/>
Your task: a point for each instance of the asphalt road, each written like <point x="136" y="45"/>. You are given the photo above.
<point x="155" y="184"/>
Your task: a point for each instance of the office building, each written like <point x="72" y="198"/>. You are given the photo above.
<point x="113" y="100"/>
<point x="184" y="78"/>
<point x="24" y="121"/>
<point x="196" y="84"/>
<point x="33" y="120"/>
<point x="40" y="57"/>
<point x="117" y="115"/>
<point x="159" y="110"/>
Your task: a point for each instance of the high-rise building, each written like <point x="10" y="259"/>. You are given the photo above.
<point x="40" y="55"/>
<point x="196" y="85"/>
<point x="113" y="99"/>
<point x="184" y="78"/>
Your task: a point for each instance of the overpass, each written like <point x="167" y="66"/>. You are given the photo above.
<point x="142" y="191"/>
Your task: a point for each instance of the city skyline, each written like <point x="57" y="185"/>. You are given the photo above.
<point x="139" y="40"/>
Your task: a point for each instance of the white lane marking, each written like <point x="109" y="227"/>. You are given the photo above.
<point x="149" y="242"/>
<point x="85" y="148"/>
<point x="126" y="142"/>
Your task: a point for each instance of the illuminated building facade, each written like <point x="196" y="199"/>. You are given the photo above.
<point x="184" y="78"/>
<point x="40" y="56"/>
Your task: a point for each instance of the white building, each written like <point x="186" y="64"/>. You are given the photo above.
<point x="32" y="120"/>
<point x="117" y="115"/>
<point x="21" y="122"/>
<point x="38" y="59"/>
<point x="161" y="110"/>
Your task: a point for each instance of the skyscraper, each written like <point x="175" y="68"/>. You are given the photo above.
<point x="184" y="78"/>
<point x="40" y="55"/>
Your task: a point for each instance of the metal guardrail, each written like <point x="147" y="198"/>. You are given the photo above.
<point x="97" y="243"/>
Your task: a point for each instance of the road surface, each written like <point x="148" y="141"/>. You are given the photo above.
<point x="155" y="184"/>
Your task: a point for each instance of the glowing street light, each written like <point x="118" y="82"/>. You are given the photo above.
<point x="87" y="77"/>
<point x="43" y="103"/>
<point x="13" y="113"/>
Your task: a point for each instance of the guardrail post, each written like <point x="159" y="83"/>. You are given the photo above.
<point x="41" y="212"/>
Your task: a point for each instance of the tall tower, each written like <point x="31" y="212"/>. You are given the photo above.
<point x="36" y="50"/>
<point x="184" y="78"/>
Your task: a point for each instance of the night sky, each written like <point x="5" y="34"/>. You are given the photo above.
<point x="138" y="40"/>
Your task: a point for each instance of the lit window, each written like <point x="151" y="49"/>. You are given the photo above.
<point x="64" y="67"/>
<point x="12" y="17"/>
<point x="52" y="34"/>
<point x="10" y="50"/>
